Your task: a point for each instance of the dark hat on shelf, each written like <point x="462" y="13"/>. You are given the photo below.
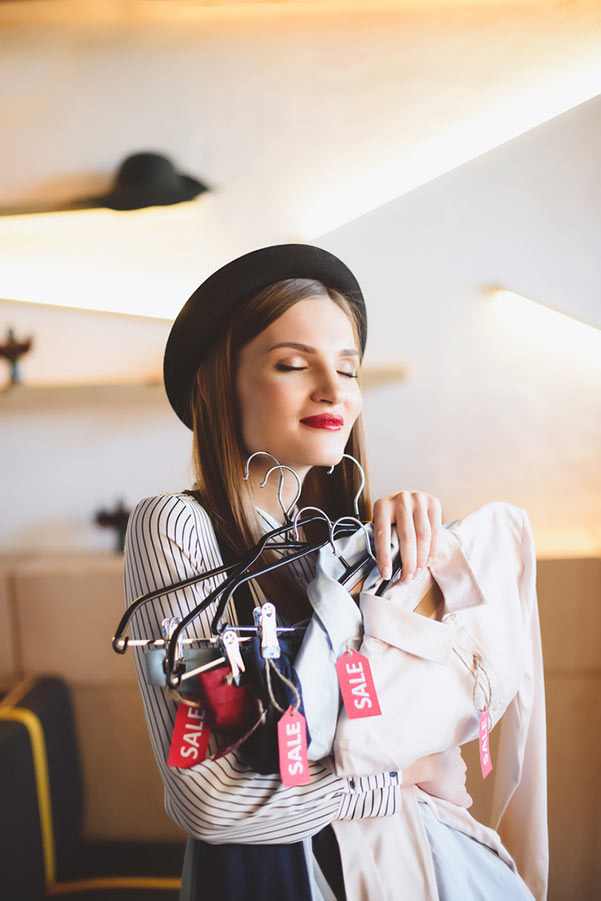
<point x="210" y="307"/>
<point x="149" y="179"/>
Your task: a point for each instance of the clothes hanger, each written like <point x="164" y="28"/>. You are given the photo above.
<point x="368" y="559"/>
<point x="352" y="571"/>
<point x="173" y="668"/>
<point x="361" y="486"/>
<point x="305" y="548"/>
<point x="174" y="665"/>
<point x="320" y="515"/>
<point x="217" y="627"/>
<point x="225" y="592"/>
<point x="396" y="569"/>
<point x="120" y="642"/>
<point x="281" y="467"/>
<point x="267" y="541"/>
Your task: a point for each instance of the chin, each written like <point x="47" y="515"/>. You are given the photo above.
<point x="327" y="457"/>
<point x="321" y="450"/>
<point x="331" y="459"/>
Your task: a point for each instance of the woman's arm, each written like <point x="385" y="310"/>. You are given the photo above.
<point x="170" y="538"/>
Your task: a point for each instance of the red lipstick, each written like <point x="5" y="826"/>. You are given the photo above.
<point x="330" y="421"/>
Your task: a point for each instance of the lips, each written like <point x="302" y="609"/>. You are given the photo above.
<point x="329" y="421"/>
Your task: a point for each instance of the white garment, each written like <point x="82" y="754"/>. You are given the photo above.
<point x="485" y="568"/>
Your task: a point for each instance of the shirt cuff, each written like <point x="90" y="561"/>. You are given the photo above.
<point x="371" y="796"/>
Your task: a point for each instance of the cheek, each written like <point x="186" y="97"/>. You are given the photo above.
<point x="263" y="404"/>
<point x="268" y="395"/>
<point x="357" y="402"/>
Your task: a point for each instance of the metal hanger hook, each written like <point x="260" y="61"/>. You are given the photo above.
<point x="361" y="486"/>
<point x="299" y="487"/>
<point x="258" y="454"/>
<point x="325" y="516"/>
<point x="281" y="487"/>
<point x="360" y="524"/>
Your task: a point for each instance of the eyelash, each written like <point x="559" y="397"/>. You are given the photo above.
<point x="281" y="367"/>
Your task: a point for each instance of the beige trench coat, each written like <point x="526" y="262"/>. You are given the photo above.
<point x="433" y="677"/>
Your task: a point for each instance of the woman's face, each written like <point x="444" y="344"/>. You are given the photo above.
<point x="297" y="386"/>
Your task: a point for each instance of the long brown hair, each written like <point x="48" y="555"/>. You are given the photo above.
<point x="219" y="454"/>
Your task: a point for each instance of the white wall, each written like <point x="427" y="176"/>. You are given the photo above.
<point x="299" y="120"/>
<point x="493" y="407"/>
<point x="78" y="453"/>
<point x="498" y="404"/>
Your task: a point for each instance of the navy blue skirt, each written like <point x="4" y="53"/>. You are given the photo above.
<point x="258" y="872"/>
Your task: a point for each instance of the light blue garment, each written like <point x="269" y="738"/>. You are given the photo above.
<point x="334" y="627"/>
<point x="467" y="870"/>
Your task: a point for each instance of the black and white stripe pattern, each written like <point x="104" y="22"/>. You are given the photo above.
<point x="170" y="538"/>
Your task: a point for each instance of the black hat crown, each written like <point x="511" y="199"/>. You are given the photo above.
<point x="149" y="179"/>
<point x="147" y="170"/>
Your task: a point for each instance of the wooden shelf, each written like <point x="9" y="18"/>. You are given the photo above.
<point x="373" y="375"/>
<point x="38" y="397"/>
<point x="41" y="397"/>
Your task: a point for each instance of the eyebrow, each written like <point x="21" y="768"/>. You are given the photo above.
<point x="346" y="352"/>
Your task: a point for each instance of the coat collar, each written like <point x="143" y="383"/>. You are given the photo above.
<point x="453" y="574"/>
<point x="391" y="618"/>
<point x="450" y="569"/>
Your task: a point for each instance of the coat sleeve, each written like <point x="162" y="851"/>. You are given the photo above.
<point x="170" y="538"/>
<point x="519" y="807"/>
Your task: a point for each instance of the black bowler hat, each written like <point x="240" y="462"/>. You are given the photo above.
<point x="149" y="179"/>
<point x="210" y="307"/>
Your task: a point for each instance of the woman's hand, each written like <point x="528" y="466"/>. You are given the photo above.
<point x="418" y="519"/>
<point x="441" y="775"/>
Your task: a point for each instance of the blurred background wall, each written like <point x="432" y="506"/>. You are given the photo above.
<point x="442" y="149"/>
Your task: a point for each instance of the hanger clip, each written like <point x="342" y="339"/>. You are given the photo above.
<point x="168" y="627"/>
<point x="231" y="647"/>
<point x="266" y="621"/>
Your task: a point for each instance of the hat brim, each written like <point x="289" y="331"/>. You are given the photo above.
<point x="136" y="198"/>
<point x="208" y="309"/>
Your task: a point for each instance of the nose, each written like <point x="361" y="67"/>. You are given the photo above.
<point x="328" y="388"/>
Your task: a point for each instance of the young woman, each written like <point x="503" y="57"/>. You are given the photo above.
<point x="265" y="356"/>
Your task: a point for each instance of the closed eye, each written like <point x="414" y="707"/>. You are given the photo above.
<point x="283" y="367"/>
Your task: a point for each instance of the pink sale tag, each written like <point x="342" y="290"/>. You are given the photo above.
<point x="190" y="737"/>
<point x="357" y="685"/>
<point x="485" y="760"/>
<point x="292" y="745"/>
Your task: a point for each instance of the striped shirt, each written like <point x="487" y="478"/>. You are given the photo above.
<point x="170" y="538"/>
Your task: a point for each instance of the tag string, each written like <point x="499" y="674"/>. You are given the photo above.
<point x="269" y="664"/>
<point x="188" y="702"/>
<point x="476" y="670"/>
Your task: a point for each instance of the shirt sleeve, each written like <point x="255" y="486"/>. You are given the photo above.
<point x="170" y="538"/>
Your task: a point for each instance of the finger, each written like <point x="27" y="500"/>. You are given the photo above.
<point x="383" y="512"/>
<point x="406" y="531"/>
<point x="423" y="530"/>
<point x="435" y="517"/>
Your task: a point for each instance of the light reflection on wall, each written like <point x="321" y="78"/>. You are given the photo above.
<point x="544" y="325"/>
<point x="561" y="374"/>
<point x="116" y="262"/>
